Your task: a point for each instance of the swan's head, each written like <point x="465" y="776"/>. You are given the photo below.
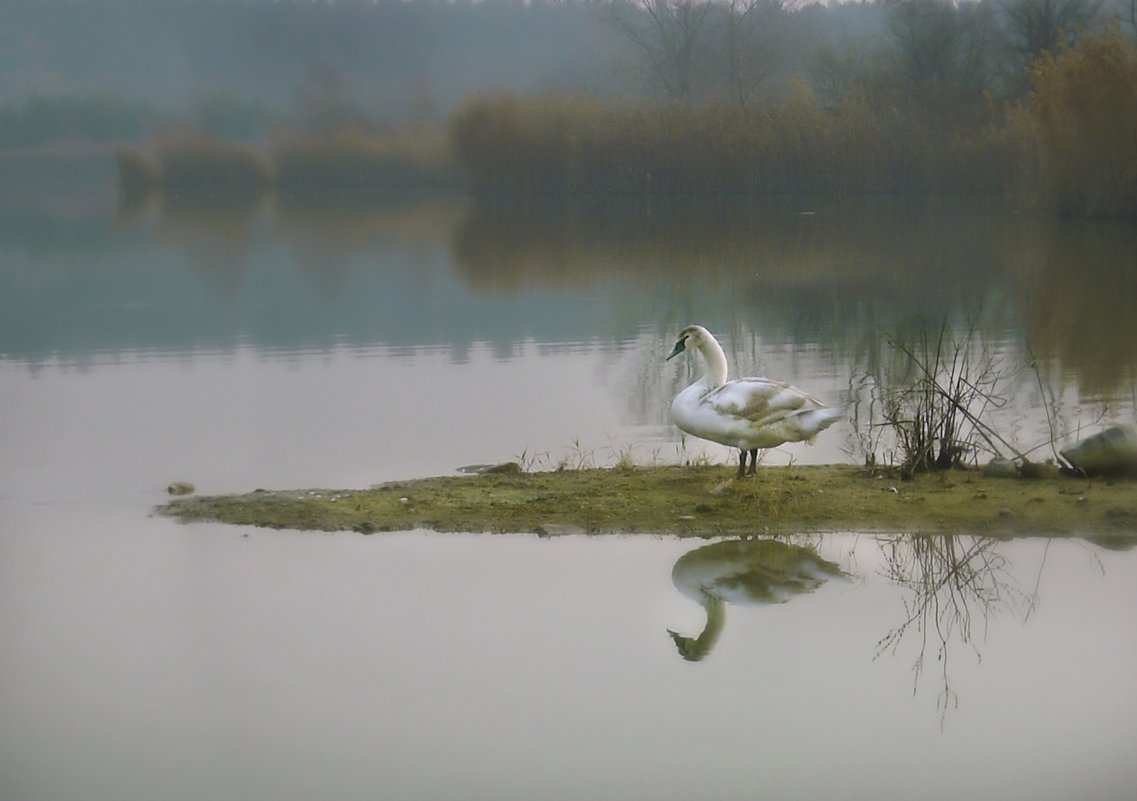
<point x="692" y="336"/>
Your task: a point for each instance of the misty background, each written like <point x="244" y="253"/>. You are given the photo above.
<point x="281" y="243"/>
<point x="74" y="71"/>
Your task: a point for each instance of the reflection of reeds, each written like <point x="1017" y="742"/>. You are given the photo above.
<point x="209" y="167"/>
<point x="350" y="163"/>
<point x="342" y="222"/>
<point x="354" y="161"/>
<point x="1080" y="283"/>
<point x="138" y="175"/>
<point x="954" y="581"/>
<point x="881" y="244"/>
<point x="215" y="234"/>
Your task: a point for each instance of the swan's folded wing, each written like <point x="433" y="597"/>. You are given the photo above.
<point x="760" y="399"/>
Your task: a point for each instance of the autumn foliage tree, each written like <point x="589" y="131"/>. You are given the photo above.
<point x="1084" y="114"/>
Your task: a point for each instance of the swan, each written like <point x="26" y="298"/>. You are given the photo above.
<point x="746" y="413"/>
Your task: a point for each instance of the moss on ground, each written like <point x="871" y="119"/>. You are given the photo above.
<point x="690" y="501"/>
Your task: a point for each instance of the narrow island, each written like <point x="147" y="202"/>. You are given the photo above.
<point x="692" y="501"/>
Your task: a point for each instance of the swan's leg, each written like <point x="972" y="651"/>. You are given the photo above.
<point x="753" y="461"/>
<point x="741" y="465"/>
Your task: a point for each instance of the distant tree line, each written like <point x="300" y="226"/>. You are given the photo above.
<point x="394" y="60"/>
<point x="608" y="96"/>
<point x="388" y="58"/>
<point x="971" y="98"/>
<point x="41" y="119"/>
<point x="932" y="52"/>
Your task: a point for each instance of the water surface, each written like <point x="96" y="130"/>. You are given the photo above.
<point x="297" y="345"/>
<point x="180" y="662"/>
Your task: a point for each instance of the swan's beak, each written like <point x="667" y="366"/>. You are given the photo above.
<point x="688" y="647"/>
<point x="680" y="346"/>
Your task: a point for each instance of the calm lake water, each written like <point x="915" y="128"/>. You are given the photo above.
<point x="288" y="344"/>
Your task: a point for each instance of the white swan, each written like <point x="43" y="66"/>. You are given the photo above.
<point x="746" y="413"/>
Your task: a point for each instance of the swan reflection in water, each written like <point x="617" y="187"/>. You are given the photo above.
<point x="755" y="572"/>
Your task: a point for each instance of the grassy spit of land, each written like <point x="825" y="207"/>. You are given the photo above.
<point x="690" y="501"/>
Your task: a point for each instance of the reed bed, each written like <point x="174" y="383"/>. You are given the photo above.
<point x="571" y="145"/>
<point x="205" y="166"/>
<point x="1083" y="114"/>
<point x="1068" y="147"/>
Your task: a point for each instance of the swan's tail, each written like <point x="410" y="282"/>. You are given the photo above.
<point x="817" y="420"/>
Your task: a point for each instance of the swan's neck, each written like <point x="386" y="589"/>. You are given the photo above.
<point x="693" y="649"/>
<point x="716" y="363"/>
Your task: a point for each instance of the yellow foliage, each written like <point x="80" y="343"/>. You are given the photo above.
<point x="1084" y="111"/>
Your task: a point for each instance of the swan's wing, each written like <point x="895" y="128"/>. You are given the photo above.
<point x="760" y="400"/>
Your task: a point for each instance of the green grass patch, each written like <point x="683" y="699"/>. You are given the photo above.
<point x="690" y="501"/>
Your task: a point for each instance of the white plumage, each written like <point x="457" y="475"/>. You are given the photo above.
<point x="746" y="413"/>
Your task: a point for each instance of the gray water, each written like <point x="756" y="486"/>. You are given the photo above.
<point x="288" y="345"/>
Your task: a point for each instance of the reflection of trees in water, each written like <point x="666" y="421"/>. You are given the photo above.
<point x="326" y="236"/>
<point x="794" y="295"/>
<point x="1079" y="289"/>
<point x="360" y="223"/>
<point x="747" y="254"/>
<point x="215" y="233"/>
<point x="828" y="283"/>
<point x="952" y="587"/>
<point x="837" y="277"/>
<point x="333" y="235"/>
<point x="954" y="584"/>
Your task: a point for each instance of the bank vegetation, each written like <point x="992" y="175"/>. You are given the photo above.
<point x="1066" y="146"/>
<point x="535" y="102"/>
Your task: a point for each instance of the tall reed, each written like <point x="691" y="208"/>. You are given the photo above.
<point x="554" y="146"/>
<point x="1084" y="113"/>
<point x="205" y="166"/>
